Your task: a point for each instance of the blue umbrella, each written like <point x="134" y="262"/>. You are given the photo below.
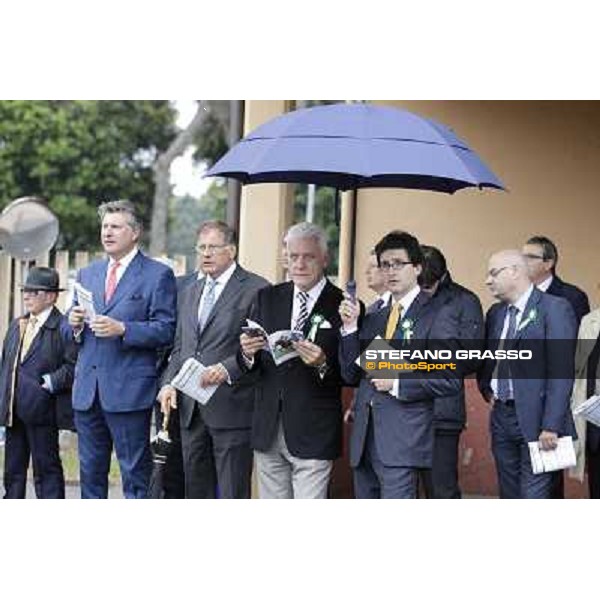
<point x="350" y="146"/>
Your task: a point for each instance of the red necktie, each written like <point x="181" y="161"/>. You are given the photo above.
<point x="111" y="282"/>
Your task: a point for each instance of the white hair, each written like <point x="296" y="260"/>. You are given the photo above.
<point x="306" y="230"/>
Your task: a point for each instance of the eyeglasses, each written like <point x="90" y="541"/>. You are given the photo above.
<point x="493" y="273"/>
<point x="394" y="265"/>
<point x="533" y="257"/>
<point x="210" y="248"/>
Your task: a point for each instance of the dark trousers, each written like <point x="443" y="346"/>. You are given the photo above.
<point x="441" y="481"/>
<point x="216" y="461"/>
<point x="592" y="459"/>
<point x="373" y="479"/>
<point x="173" y="482"/>
<point x="511" y="453"/>
<point x="40" y="443"/>
<point x="97" y="431"/>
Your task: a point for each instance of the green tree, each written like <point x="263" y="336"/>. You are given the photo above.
<point x="186" y="214"/>
<point x="77" y="154"/>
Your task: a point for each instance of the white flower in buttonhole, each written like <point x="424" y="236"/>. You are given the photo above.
<point x="316" y="321"/>
<point x="531" y="318"/>
<point x="407" y="331"/>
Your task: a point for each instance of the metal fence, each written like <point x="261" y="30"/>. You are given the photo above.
<point x="67" y="264"/>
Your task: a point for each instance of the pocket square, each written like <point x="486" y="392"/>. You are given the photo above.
<point x="325" y="325"/>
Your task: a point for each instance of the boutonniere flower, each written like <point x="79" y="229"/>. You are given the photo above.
<point x="531" y="318"/>
<point x="315" y="322"/>
<point x="407" y="331"/>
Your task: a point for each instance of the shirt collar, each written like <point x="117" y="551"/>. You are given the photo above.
<point x="385" y="298"/>
<point x="126" y="260"/>
<point x="225" y="276"/>
<point x="42" y="317"/>
<point x="522" y="301"/>
<point x="315" y="291"/>
<point x="409" y="298"/>
<point x="543" y="287"/>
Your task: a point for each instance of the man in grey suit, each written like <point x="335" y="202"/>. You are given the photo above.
<point x="211" y="312"/>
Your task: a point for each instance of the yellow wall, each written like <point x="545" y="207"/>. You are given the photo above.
<point x="266" y="209"/>
<point x="546" y="153"/>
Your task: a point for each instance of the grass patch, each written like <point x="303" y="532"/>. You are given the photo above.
<point x="70" y="460"/>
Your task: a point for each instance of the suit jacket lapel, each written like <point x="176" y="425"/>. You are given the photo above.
<point x="51" y="323"/>
<point x="531" y="305"/>
<point x="98" y="286"/>
<point x="320" y="306"/>
<point x="412" y="314"/>
<point x="283" y="318"/>
<point x="190" y="311"/>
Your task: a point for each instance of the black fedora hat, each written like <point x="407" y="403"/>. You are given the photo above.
<point x="42" y="279"/>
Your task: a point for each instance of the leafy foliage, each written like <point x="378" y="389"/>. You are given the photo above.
<point x="78" y="153"/>
<point x="186" y="214"/>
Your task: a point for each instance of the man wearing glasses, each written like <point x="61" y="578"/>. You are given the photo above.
<point x="541" y="255"/>
<point x="211" y="312"/>
<point x="392" y="437"/>
<point x="529" y="398"/>
<point x="36" y="374"/>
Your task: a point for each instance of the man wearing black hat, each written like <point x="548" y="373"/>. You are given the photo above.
<point x="36" y="373"/>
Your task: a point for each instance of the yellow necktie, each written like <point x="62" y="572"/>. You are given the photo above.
<point x="392" y="321"/>
<point x="28" y="337"/>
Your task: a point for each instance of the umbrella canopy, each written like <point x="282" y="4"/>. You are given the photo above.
<point x="350" y="146"/>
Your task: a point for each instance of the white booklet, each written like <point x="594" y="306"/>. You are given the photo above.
<point x="590" y="410"/>
<point x="279" y="342"/>
<point x="85" y="299"/>
<point x="188" y="381"/>
<point x="562" y="457"/>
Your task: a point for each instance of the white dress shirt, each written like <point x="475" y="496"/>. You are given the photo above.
<point x="520" y="305"/>
<point x="405" y="302"/>
<point x="543" y="287"/>
<point x="221" y="281"/>
<point x="124" y="263"/>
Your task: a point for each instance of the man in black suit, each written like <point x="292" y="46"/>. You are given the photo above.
<point x="376" y="283"/>
<point x="392" y="436"/>
<point x="541" y="255"/>
<point x="36" y="375"/>
<point x="464" y="308"/>
<point x="211" y="313"/>
<point x="297" y="425"/>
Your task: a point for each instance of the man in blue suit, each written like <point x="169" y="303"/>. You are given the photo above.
<point x="530" y="398"/>
<point x="541" y="255"/>
<point x="392" y="436"/>
<point x="116" y="379"/>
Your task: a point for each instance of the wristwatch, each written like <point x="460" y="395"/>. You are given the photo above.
<point x="322" y="370"/>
